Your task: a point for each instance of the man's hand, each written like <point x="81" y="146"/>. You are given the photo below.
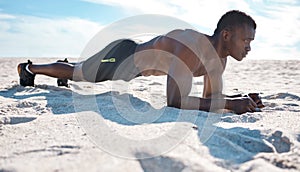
<point x="242" y="105"/>
<point x="256" y="98"/>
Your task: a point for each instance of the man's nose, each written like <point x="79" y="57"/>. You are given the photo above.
<point x="248" y="48"/>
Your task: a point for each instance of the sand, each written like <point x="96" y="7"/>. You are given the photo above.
<point x="126" y="126"/>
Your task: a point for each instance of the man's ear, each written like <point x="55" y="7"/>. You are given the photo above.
<point x="226" y="35"/>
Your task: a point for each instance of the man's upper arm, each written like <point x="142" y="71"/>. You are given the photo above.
<point x="213" y="85"/>
<point x="179" y="82"/>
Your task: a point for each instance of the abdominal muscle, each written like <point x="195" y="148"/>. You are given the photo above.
<point x="155" y="56"/>
<point x="151" y="61"/>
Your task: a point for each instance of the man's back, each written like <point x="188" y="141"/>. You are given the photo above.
<point x="191" y="47"/>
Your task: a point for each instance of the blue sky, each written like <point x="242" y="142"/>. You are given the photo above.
<point x="62" y="28"/>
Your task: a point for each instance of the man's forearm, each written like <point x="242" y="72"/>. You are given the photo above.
<point x="206" y="104"/>
<point x="224" y="96"/>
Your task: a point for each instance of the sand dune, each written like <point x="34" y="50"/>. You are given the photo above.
<point x="120" y="126"/>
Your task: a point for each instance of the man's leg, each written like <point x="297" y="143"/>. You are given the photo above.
<point x="61" y="70"/>
<point x="56" y="70"/>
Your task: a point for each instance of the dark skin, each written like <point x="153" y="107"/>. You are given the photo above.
<point x="176" y="56"/>
<point x="185" y="65"/>
<point x="56" y="70"/>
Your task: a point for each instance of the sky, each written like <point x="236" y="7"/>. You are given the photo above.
<point x="63" y="28"/>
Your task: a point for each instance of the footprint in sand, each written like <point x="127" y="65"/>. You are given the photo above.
<point x="140" y="89"/>
<point x="55" y="150"/>
<point x="35" y="106"/>
<point x="155" y="83"/>
<point x="286" y="96"/>
<point x="15" y="119"/>
<point x="242" y="144"/>
<point x="244" y="118"/>
<point x="25" y="104"/>
<point x="290" y="104"/>
<point x="293" y="107"/>
<point x="280" y="143"/>
<point x="272" y="105"/>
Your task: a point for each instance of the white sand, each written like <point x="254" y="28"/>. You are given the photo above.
<point x="119" y="126"/>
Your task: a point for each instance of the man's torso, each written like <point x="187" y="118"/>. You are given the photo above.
<point x="191" y="47"/>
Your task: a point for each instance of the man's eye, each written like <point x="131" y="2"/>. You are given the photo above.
<point x="247" y="41"/>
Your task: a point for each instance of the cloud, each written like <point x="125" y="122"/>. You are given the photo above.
<point x="39" y="37"/>
<point x="278" y="21"/>
<point x="6" y="16"/>
<point x="277" y="33"/>
<point x="204" y="13"/>
<point x="278" y="30"/>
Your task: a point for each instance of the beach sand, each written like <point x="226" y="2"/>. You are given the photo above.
<point x="126" y="126"/>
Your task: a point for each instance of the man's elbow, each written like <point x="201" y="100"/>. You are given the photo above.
<point x="176" y="103"/>
<point x="213" y="96"/>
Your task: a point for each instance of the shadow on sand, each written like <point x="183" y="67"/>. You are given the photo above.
<point x="235" y="145"/>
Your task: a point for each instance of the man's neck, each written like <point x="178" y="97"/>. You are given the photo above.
<point x="218" y="45"/>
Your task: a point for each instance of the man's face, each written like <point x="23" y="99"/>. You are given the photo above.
<point x="240" y="41"/>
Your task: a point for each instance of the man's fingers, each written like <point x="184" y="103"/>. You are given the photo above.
<point x="252" y="108"/>
<point x="260" y="104"/>
<point x="249" y="109"/>
<point x="252" y="103"/>
<point x="257" y="99"/>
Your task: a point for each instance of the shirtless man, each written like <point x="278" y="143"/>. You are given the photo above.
<point x="181" y="54"/>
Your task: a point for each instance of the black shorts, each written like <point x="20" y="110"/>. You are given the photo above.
<point x="114" y="62"/>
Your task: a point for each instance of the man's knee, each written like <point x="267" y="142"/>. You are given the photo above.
<point x="77" y="74"/>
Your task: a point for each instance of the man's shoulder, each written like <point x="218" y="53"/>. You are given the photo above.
<point x="188" y="37"/>
<point x="183" y="32"/>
